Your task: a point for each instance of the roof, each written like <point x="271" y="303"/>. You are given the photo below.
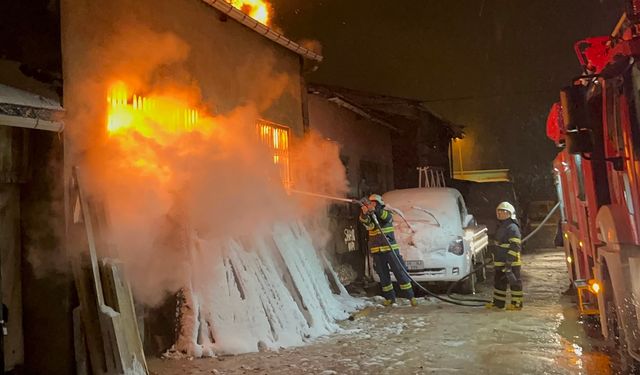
<point x="11" y="95"/>
<point x="23" y="109"/>
<point x="262" y="29"/>
<point x="382" y="109"/>
<point x="484" y="175"/>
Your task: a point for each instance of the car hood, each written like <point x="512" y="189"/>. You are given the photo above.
<point x="424" y="237"/>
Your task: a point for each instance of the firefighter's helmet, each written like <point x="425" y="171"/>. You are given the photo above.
<point x="506" y="206"/>
<point x="377" y="198"/>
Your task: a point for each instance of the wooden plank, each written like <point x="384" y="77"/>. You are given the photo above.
<point x="79" y="344"/>
<point x="128" y="314"/>
<point x="117" y="343"/>
<point x="107" y="317"/>
<point x="112" y="330"/>
<point x="119" y="297"/>
<point x="108" y="296"/>
<point x="90" y="317"/>
<point x="86" y="294"/>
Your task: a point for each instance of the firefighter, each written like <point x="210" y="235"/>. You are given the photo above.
<point x="507" y="261"/>
<point x="385" y="258"/>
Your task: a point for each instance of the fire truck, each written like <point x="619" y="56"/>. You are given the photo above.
<point x="597" y="125"/>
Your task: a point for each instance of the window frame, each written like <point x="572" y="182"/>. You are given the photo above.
<point x="277" y="138"/>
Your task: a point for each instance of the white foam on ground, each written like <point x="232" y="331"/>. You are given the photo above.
<point x="261" y="293"/>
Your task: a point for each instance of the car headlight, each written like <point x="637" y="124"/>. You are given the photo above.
<point x="457" y="246"/>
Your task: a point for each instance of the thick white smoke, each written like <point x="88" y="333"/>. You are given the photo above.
<point x="161" y="186"/>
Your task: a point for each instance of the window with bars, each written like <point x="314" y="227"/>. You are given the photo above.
<point x="276" y="137"/>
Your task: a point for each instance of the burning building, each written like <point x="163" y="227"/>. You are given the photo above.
<point x="183" y="127"/>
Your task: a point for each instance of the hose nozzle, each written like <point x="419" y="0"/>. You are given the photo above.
<point x="362" y="202"/>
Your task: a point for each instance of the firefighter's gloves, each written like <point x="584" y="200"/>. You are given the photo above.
<point x="364" y="209"/>
<point x="365" y="206"/>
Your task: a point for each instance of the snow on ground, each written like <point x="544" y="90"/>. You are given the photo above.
<point x="263" y="293"/>
<point x="437" y="338"/>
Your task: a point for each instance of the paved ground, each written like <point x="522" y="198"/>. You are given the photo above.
<point x="438" y="338"/>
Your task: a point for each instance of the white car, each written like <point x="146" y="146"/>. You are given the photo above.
<point x="439" y="240"/>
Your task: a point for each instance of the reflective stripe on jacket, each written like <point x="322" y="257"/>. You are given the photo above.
<point x="377" y="242"/>
<point x="508" y="244"/>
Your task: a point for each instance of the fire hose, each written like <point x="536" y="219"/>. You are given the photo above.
<point x="450" y="298"/>
<point x="406" y="272"/>
<point x="486" y="261"/>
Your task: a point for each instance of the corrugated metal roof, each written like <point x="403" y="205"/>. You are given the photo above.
<point x="19" y="108"/>
<point x="11" y="95"/>
<point x="384" y="108"/>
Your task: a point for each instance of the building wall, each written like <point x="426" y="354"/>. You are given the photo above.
<point x="230" y="64"/>
<point x="47" y="285"/>
<point x="36" y="286"/>
<point x="423" y="143"/>
<point x="361" y="140"/>
<point x="36" y="293"/>
<point x="406" y="158"/>
<point x="365" y="149"/>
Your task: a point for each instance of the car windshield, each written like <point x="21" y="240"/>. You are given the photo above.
<point x="441" y="214"/>
<point x="417" y="213"/>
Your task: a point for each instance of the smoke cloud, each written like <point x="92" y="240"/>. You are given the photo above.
<point x="312" y="45"/>
<point x="161" y="183"/>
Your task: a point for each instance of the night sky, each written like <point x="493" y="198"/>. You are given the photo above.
<point x="494" y="66"/>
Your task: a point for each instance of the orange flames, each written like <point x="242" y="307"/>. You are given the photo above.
<point x="139" y="123"/>
<point x="257" y="9"/>
<point x="142" y="125"/>
<point x="276" y="137"/>
<point x="145" y="115"/>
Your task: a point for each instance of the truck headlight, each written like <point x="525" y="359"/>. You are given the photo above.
<point x="457" y="247"/>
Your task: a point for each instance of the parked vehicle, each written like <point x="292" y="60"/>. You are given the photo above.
<point x="597" y="124"/>
<point x="482" y="198"/>
<point x="439" y="240"/>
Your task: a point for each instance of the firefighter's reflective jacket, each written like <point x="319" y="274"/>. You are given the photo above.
<point x="508" y="244"/>
<point x="377" y="242"/>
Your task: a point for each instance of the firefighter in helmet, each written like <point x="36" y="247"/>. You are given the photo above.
<point x="384" y="249"/>
<point x="506" y="259"/>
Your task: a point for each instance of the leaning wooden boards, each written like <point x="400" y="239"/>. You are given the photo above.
<point x="107" y="311"/>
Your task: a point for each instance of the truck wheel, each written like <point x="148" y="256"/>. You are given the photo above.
<point x="616" y="336"/>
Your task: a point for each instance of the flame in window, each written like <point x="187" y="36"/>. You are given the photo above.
<point x="276" y="137"/>
<point x="127" y="111"/>
<point x="137" y="123"/>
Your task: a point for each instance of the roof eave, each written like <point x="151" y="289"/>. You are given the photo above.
<point x="359" y="111"/>
<point x="31" y="123"/>
<point x="262" y="29"/>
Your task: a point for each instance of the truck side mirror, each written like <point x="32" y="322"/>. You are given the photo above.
<point x="575" y="114"/>
<point x="579" y="141"/>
